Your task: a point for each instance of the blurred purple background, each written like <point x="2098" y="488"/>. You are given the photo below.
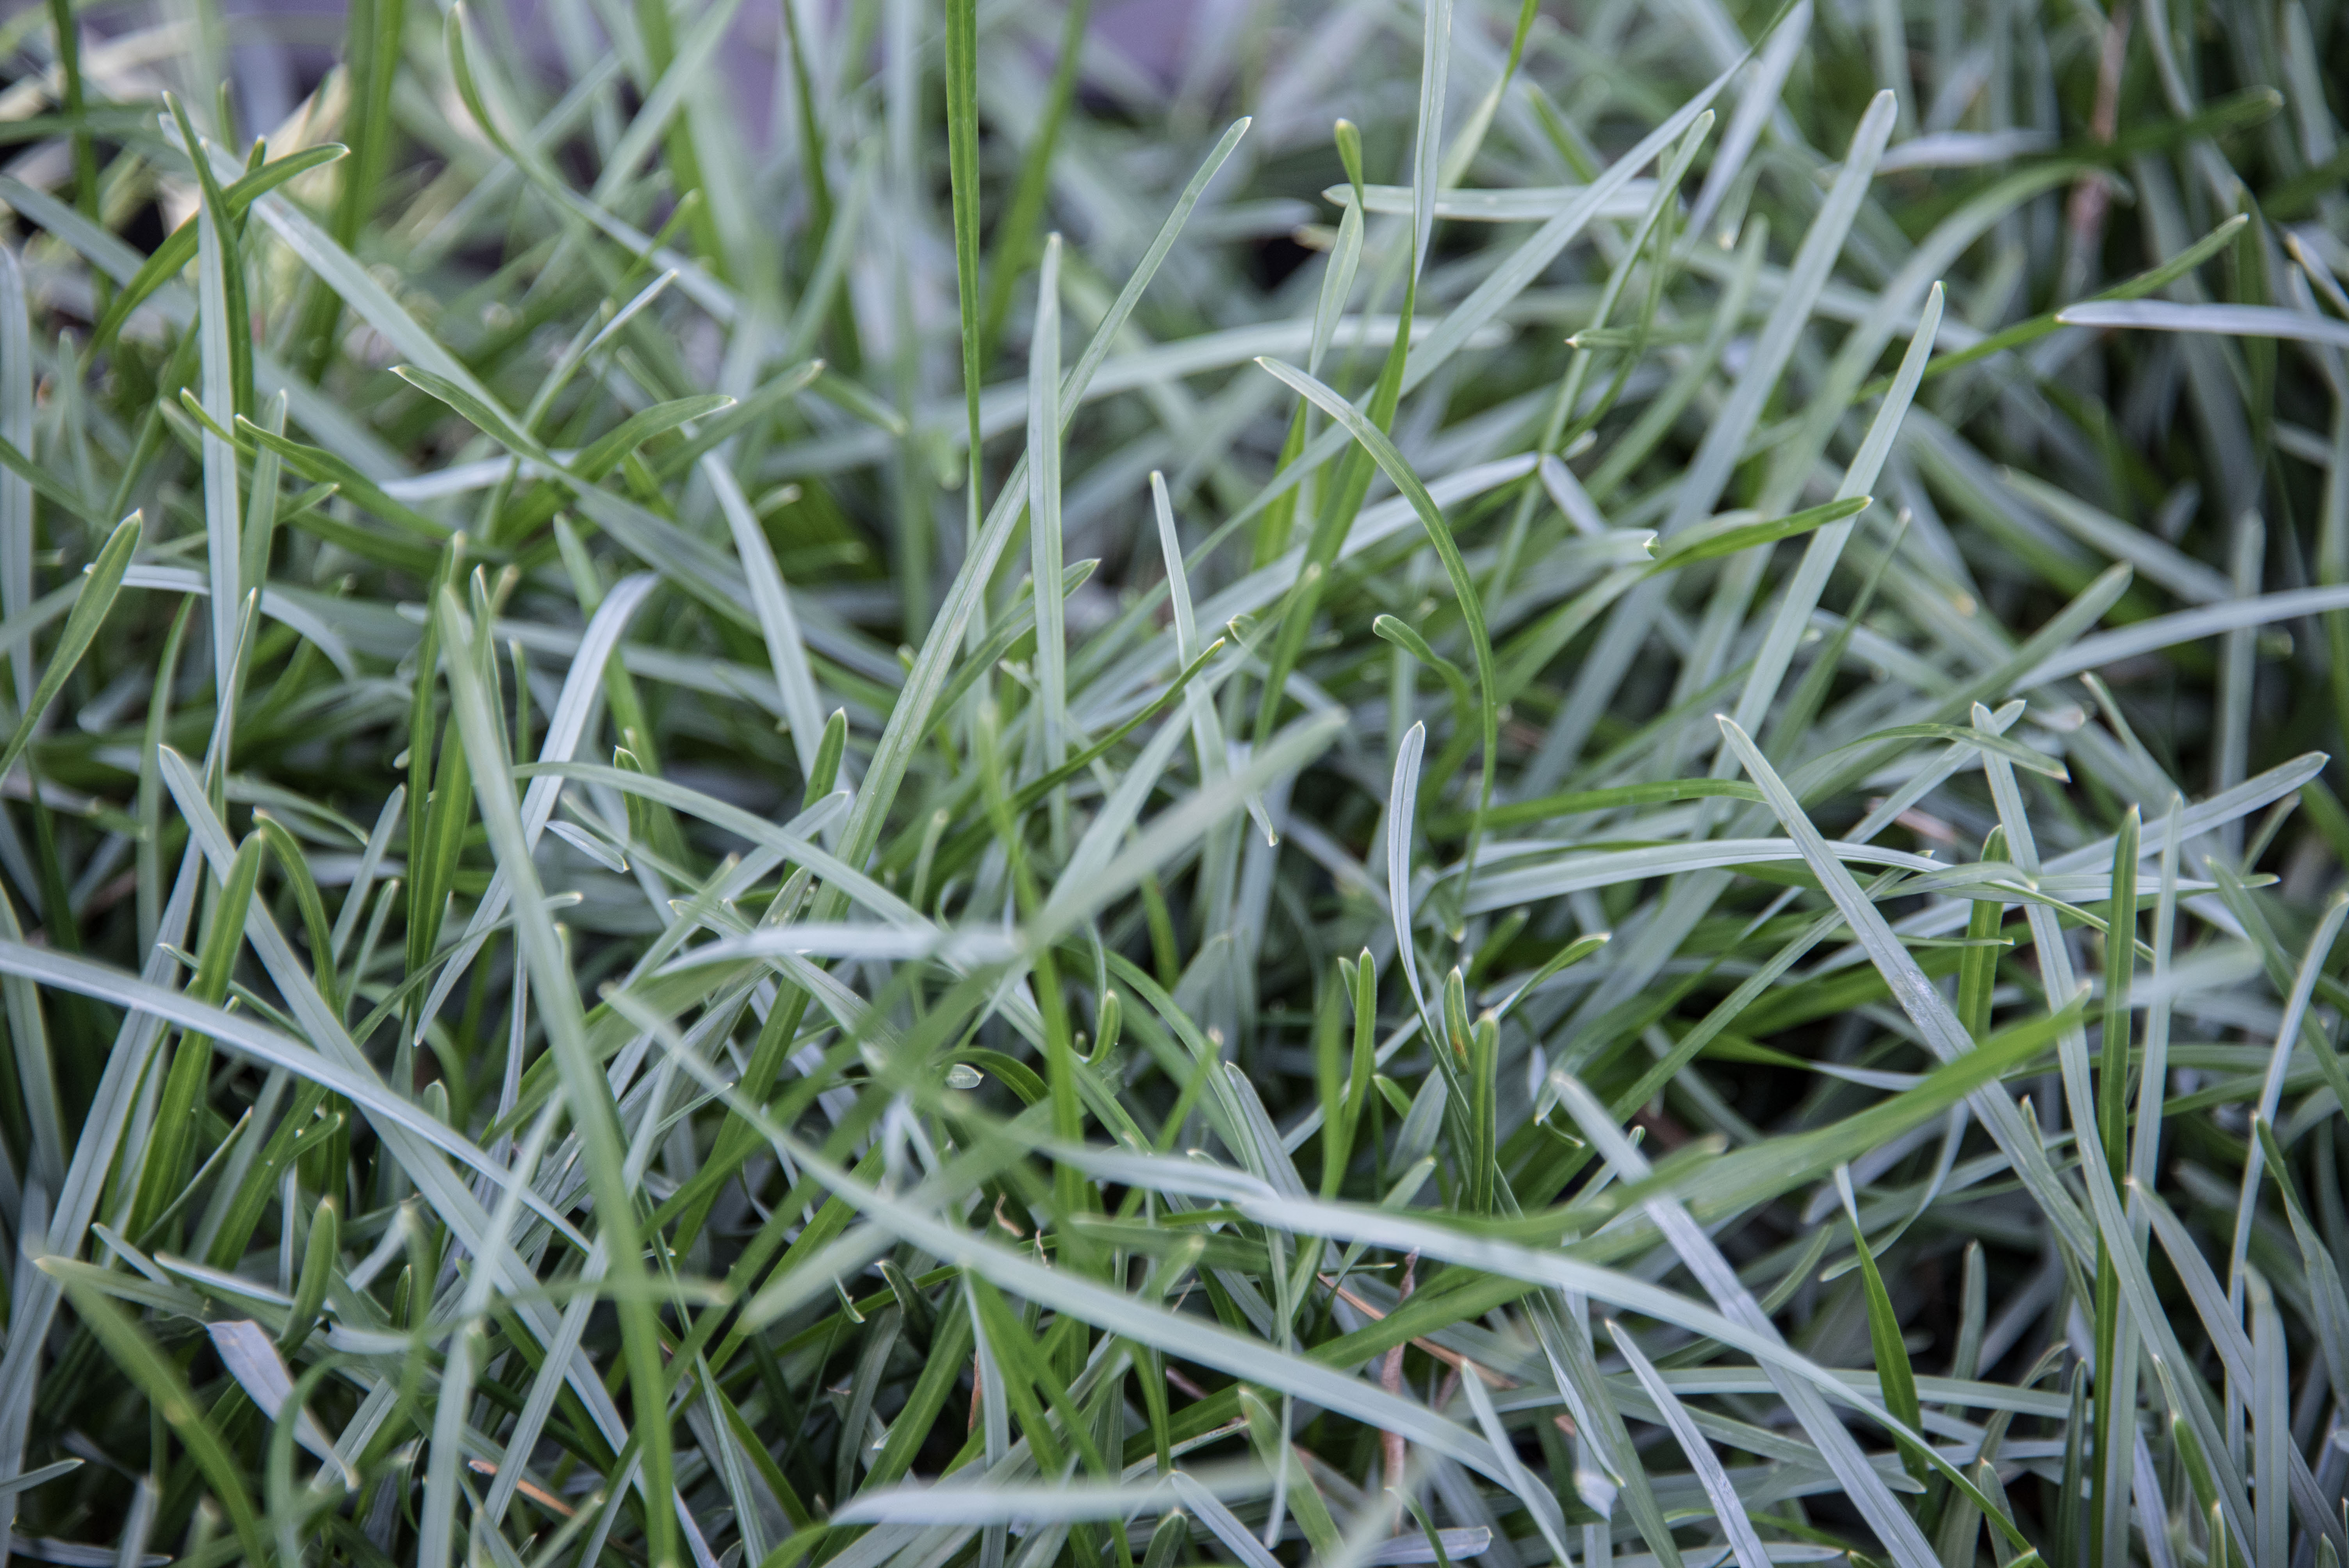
<point x="279" y="50"/>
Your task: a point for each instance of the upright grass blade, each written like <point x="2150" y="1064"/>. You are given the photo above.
<point x="1402" y="811"/>
<point x="371" y="63"/>
<point x="2116" y="1345"/>
<point x="1044" y="501"/>
<point x="1335" y="520"/>
<point x="1427" y="138"/>
<point x="2288" y="1037"/>
<point x="893" y="753"/>
<point x="172" y="256"/>
<point x="1893" y="1373"/>
<point x="227" y="358"/>
<point x="777" y="622"/>
<point x="1820" y="554"/>
<point x="584" y="1087"/>
<point x="1708" y="470"/>
<point x="962" y="159"/>
<point x="1439" y="533"/>
<point x="1015" y="236"/>
<point x="1755" y="105"/>
<point x="16" y="489"/>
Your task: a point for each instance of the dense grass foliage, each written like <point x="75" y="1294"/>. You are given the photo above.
<point x="931" y="785"/>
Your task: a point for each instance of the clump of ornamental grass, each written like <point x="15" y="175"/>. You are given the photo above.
<point x="922" y="785"/>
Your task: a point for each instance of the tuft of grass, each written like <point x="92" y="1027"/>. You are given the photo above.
<point x="988" y="787"/>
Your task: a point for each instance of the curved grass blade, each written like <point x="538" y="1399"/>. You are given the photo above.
<point x="100" y="581"/>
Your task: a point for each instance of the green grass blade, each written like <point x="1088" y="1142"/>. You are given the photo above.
<point x="1745" y="1545"/>
<point x="1044" y="502"/>
<point x="584" y="1087"/>
<point x="91" y="605"/>
<point x="162" y="1384"/>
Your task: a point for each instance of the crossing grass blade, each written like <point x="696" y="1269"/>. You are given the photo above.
<point x="174" y="1404"/>
<point x="633" y="994"/>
